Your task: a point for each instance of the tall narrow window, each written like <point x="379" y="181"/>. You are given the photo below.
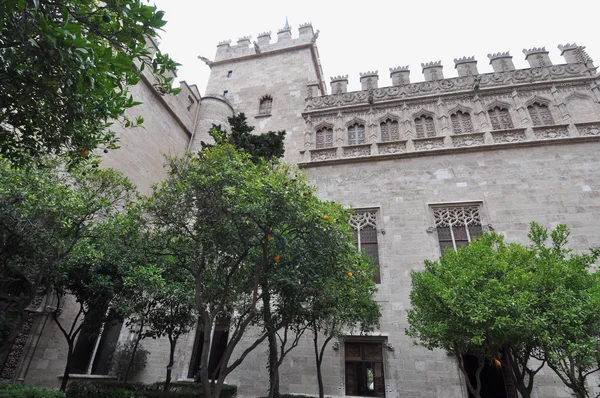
<point x="500" y="118"/>
<point x="389" y="130"/>
<point x="364" y="223"/>
<point x="457" y="225"/>
<point x="324" y="138"/>
<point x="229" y="74"/>
<point x="425" y="127"/>
<point x="94" y="349"/>
<point x="225" y="93"/>
<point x="265" y="105"/>
<point x="461" y="123"/>
<point x="364" y="369"/>
<point x="356" y="134"/>
<point x="540" y="115"/>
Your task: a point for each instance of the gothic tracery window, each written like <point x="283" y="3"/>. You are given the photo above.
<point x="324" y="138"/>
<point x="356" y="134"/>
<point x="265" y="105"/>
<point x="500" y="118"/>
<point x="461" y="123"/>
<point x="540" y="114"/>
<point x="424" y="126"/>
<point x="389" y="130"/>
<point x="457" y="225"/>
<point x="364" y="224"/>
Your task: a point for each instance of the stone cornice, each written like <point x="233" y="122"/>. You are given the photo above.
<point x="449" y="151"/>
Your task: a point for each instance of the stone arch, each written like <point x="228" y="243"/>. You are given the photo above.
<point x="388" y="116"/>
<point x="581" y="107"/>
<point x="355" y="120"/>
<point x="323" y="125"/>
<point x="423" y="112"/>
<point x="500" y="104"/>
<point x="461" y="108"/>
<point x="539" y="100"/>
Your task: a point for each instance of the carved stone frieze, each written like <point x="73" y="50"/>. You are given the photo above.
<point x="14" y="355"/>
<point x="507" y="136"/>
<point x="427" y="144"/>
<point x="465" y="140"/>
<point x="323" y="154"/>
<point x="549" y="73"/>
<point x="356" y="150"/>
<point x="586" y="129"/>
<point x="550" y="132"/>
<point x="392" y="147"/>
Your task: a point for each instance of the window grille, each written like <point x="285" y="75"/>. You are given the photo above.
<point x="500" y="118"/>
<point x="364" y="369"/>
<point x="265" y="105"/>
<point x="389" y="130"/>
<point x="425" y="127"/>
<point x="324" y="138"/>
<point x="364" y="224"/>
<point x="356" y="134"/>
<point x="457" y="225"/>
<point x="540" y="115"/>
<point x="461" y="123"/>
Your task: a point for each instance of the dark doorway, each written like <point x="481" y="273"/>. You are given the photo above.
<point x="217" y="348"/>
<point x="364" y="369"/>
<point x="492" y="377"/>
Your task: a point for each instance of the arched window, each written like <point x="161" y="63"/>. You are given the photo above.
<point x="324" y="138"/>
<point x="461" y="122"/>
<point x="500" y="118"/>
<point x="540" y="114"/>
<point x="356" y="134"/>
<point x="265" y="105"/>
<point x="425" y="127"/>
<point x="389" y="130"/>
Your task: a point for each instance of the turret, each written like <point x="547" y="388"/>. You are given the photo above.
<point x="339" y="84"/>
<point x="501" y="62"/>
<point x="466" y="66"/>
<point x="537" y="57"/>
<point x="433" y="71"/>
<point x="400" y="75"/>
<point x="368" y="80"/>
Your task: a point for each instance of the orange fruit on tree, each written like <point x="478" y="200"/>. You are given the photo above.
<point x="277" y="257"/>
<point x="326" y="218"/>
<point x="349" y="274"/>
<point x="83" y="152"/>
<point x="269" y="236"/>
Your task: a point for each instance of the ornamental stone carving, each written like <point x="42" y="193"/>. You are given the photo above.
<point x="508" y="136"/>
<point x="466" y="140"/>
<point x="587" y="129"/>
<point x="358" y="150"/>
<point x="14" y="355"/>
<point x="427" y="144"/>
<point x="392" y="147"/>
<point x="550" y="132"/>
<point x="323" y="154"/>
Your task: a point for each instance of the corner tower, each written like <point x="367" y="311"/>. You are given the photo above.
<point x="268" y="81"/>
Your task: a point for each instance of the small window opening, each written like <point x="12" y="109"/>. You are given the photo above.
<point x="229" y="74"/>
<point x="225" y="93"/>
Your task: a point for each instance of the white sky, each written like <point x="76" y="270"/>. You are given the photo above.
<point x="376" y="35"/>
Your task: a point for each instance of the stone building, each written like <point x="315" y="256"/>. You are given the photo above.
<point x="426" y="165"/>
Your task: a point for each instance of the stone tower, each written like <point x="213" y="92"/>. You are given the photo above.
<point x="266" y="80"/>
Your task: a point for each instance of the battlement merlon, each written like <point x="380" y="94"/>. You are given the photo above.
<point x="369" y="80"/>
<point x="339" y="84"/>
<point x="263" y="46"/>
<point x="466" y="66"/>
<point x="575" y="54"/>
<point x="501" y="62"/>
<point x="400" y="75"/>
<point x="433" y="71"/>
<point x="537" y="57"/>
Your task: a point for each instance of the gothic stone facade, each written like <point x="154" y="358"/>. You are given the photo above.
<point x="427" y="165"/>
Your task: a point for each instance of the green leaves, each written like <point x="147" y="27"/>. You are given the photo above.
<point x="64" y="67"/>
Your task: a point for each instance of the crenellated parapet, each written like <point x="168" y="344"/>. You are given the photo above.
<point x="263" y="45"/>
<point x="578" y="65"/>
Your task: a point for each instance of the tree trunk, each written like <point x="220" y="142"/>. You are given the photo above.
<point x="132" y="358"/>
<point x="67" y="372"/>
<point x="318" y="363"/>
<point x="173" y="342"/>
<point x="272" y="363"/>
<point x="204" y="357"/>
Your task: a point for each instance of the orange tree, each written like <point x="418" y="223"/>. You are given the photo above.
<point x="243" y="230"/>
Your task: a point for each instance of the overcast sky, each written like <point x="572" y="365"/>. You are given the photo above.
<point x="376" y="35"/>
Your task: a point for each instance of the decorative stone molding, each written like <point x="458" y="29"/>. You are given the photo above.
<point x="356" y="150"/>
<point x="405" y="90"/>
<point x="587" y="129"/>
<point x="464" y="140"/>
<point x="427" y="144"/>
<point x="508" y="136"/>
<point x="551" y="132"/>
<point x="391" y="147"/>
<point x="323" y="154"/>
